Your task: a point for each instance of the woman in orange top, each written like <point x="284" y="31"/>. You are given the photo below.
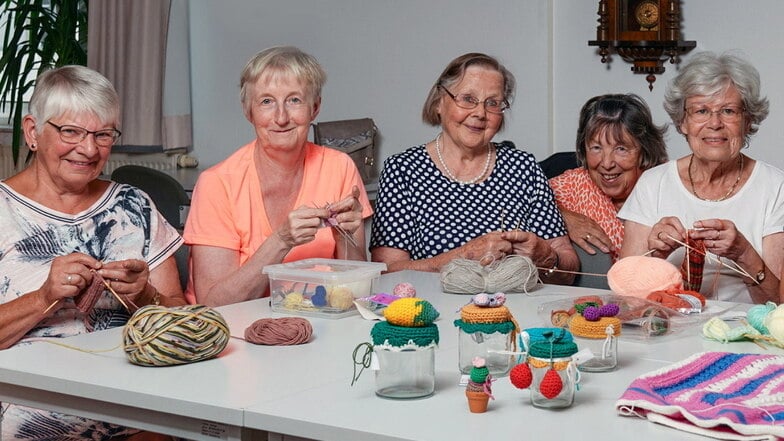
<point x="267" y="202"/>
<point x="616" y="141"/>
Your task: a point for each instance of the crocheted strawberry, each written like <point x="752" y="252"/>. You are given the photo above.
<point x="521" y="376"/>
<point x="551" y="384"/>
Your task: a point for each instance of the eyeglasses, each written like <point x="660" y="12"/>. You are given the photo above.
<point x="728" y="114"/>
<point x="75" y="134"/>
<point x="466" y="101"/>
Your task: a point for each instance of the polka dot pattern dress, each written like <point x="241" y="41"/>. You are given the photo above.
<point x="421" y="211"/>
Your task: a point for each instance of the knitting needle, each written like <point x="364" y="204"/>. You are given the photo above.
<point x="342" y="231"/>
<point x="109" y="287"/>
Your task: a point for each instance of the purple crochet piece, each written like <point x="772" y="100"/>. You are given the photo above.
<point x="591" y="313"/>
<point x="609" y="310"/>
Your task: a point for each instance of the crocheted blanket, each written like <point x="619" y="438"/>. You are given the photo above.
<point x="717" y="394"/>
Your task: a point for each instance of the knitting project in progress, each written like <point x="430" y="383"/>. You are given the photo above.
<point x="718" y="394"/>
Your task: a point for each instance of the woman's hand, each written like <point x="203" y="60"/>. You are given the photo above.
<point x="68" y="276"/>
<point x="347" y="213"/>
<point x="721" y="238"/>
<point x="586" y="233"/>
<point x="301" y="226"/>
<point x="528" y="244"/>
<point x="128" y="278"/>
<point x="486" y="248"/>
<point x="666" y="236"/>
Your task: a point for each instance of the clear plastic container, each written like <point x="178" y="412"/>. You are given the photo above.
<point x="565" y="369"/>
<point x="405" y="373"/>
<point x="605" y="353"/>
<point x="487" y="346"/>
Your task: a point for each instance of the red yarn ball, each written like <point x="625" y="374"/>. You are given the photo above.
<point x="552" y="385"/>
<point x="521" y="376"/>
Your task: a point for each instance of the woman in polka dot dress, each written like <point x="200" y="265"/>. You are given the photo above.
<point x="463" y="196"/>
<point x="616" y="141"/>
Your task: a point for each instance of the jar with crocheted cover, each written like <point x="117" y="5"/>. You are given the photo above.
<point x="405" y="350"/>
<point x="554" y="373"/>
<point x="600" y="336"/>
<point x="489" y="333"/>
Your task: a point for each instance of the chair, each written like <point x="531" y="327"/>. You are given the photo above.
<point x="169" y="197"/>
<point x="355" y="137"/>
<point x="558" y="163"/>
<point x="598" y="263"/>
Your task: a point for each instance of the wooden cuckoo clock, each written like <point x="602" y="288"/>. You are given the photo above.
<point x="643" y="32"/>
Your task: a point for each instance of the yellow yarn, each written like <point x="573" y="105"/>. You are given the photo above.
<point x="293" y="300"/>
<point x="340" y="297"/>
<point x="774" y="321"/>
<point x="410" y="311"/>
<point x="542" y="363"/>
<point x="580" y="327"/>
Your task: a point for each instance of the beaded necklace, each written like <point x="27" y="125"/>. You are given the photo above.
<point x="449" y="172"/>
<point x="732" y="189"/>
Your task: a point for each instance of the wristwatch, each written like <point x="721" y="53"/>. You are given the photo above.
<point x="760" y="277"/>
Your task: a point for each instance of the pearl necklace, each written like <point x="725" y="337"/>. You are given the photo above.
<point x="732" y="189"/>
<point x="449" y="172"/>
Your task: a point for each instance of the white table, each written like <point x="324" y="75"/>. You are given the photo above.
<point x="305" y="390"/>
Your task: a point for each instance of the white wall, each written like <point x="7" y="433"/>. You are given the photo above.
<point x="750" y="28"/>
<point x="382" y="56"/>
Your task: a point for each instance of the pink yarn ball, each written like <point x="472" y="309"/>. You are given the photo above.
<point x="639" y="276"/>
<point x="404" y="289"/>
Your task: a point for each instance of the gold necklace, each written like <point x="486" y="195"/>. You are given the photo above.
<point x="729" y="193"/>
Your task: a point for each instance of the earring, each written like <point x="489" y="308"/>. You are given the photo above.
<point x="33" y="147"/>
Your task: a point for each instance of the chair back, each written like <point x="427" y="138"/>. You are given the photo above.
<point x="558" y="163"/>
<point x="169" y="197"/>
<point x="598" y="263"/>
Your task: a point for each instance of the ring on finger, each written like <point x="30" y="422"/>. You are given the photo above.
<point x="658" y="235"/>
<point x="69" y="279"/>
<point x="587" y="236"/>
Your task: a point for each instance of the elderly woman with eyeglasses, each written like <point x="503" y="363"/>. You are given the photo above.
<point x="279" y="198"/>
<point x="716" y="197"/>
<point x="462" y="195"/>
<point x="65" y="233"/>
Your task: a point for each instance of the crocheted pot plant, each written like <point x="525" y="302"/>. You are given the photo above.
<point x="478" y="390"/>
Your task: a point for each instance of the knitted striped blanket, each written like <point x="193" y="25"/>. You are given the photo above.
<point x="717" y="394"/>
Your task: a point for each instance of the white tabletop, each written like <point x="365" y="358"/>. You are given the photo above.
<point x="305" y="390"/>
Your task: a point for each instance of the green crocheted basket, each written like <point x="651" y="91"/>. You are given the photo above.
<point x="386" y="334"/>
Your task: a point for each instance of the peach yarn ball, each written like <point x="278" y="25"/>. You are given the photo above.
<point x="639" y="276"/>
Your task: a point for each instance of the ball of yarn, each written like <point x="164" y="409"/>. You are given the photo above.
<point x="410" y="311"/>
<point x="404" y="289"/>
<point x="511" y="274"/>
<point x="626" y="278"/>
<point x="774" y="321"/>
<point x="279" y="331"/>
<point x="160" y="336"/>
<point x="757" y="314"/>
<point x="340" y="298"/>
<point x="293" y="300"/>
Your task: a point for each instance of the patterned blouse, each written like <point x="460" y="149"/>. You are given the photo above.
<point x="122" y="224"/>
<point x="575" y="191"/>
<point x="421" y="211"/>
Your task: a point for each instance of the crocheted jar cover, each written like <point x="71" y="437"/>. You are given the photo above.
<point x="477" y="314"/>
<point x="487" y="328"/>
<point x="537" y="334"/>
<point x="558" y="349"/>
<point x="386" y="334"/>
<point x="581" y="327"/>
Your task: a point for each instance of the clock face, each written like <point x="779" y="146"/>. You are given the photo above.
<point x="647" y="15"/>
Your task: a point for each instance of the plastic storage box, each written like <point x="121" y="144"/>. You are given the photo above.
<point x="321" y="287"/>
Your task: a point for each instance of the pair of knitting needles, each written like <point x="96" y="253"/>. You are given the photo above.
<point x="737" y="269"/>
<point x="105" y="283"/>
<point x="332" y="222"/>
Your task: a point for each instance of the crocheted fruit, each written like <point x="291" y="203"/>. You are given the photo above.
<point x="609" y="310"/>
<point x="591" y="313"/>
<point x="320" y="297"/>
<point x="410" y="311"/>
<point x="551" y="384"/>
<point x="521" y="376"/>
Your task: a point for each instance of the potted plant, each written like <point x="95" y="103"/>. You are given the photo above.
<point x="37" y="35"/>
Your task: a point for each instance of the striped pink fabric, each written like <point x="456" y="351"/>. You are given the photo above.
<point x="718" y="394"/>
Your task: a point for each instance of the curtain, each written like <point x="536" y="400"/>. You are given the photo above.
<point x="142" y="47"/>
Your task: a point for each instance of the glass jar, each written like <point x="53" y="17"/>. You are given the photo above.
<point x="544" y="387"/>
<point x="493" y="347"/>
<point x="405" y="373"/>
<point x="601" y="337"/>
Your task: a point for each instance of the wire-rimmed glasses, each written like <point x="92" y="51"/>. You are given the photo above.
<point x="728" y="114"/>
<point x="74" y="134"/>
<point x="467" y="101"/>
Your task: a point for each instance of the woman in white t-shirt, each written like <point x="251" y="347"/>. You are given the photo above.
<point x="717" y="195"/>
